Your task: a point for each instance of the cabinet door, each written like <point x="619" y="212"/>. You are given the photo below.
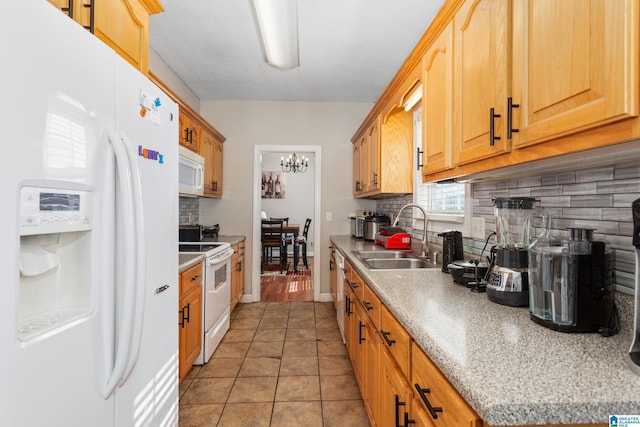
<point x="189" y="132"/>
<point x="373" y="160"/>
<point x="211" y="150"/>
<point x="396" y="394"/>
<point x="437" y="96"/>
<point x="571" y="66"/>
<point x="124" y="26"/>
<point x="373" y="348"/>
<point x="190" y="324"/>
<point x="481" y="78"/>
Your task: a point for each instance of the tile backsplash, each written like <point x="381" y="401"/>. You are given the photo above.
<point x="189" y="207"/>
<point x="597" y="198"/>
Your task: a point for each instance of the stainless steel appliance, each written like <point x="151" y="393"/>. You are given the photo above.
<point x="216" y="293"/>
<point x="571" y="284"/>
<point x="451" y="248"/>
<point x="357" y="226"/>
<point x="508" y="280"/>
<point x="634" y="351"/>
<point x="373" y="224"/>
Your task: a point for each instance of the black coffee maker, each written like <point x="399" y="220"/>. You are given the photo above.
<point x="451" y="248"/>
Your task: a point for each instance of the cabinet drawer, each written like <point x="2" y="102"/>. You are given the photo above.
<point x="395" y="339"/>
<point x="372" y="304"/>
<point x="358" y="285"/>
<point x="430" y="385"/>
<point x="190" y="278"/>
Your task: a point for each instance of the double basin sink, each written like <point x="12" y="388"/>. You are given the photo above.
<point x="393" y="260"/>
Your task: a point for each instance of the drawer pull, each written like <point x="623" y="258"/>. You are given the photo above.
<point x="368" y="305"/>
<point x="385" y="335"/>
<point x="196" y="277"/>
<point x="360" y="337"/>
<point x="423" y="395"/>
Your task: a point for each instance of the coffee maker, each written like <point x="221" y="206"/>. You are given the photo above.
<point x="571" y="284"/>
<point x="451" y="248"/>
<point x="508" y="279"/>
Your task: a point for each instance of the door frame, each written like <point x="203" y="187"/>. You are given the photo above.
<point x="257" y="203"/>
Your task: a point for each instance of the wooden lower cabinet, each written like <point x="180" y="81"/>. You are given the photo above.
<point x="372" y="370"/>
<point x="432" y="389"/>
<point x="396" y="395"/>
<point x="237" y="274"/>
<point x="189" y="318"/>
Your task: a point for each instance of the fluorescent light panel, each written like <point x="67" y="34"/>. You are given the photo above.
<point x="278" y="21"/>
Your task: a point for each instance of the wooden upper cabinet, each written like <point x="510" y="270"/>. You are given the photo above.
<point x="481" y="79"/>
<point x="211" y="150"/>
<point x="122" y="24"/>
<point x="573" y="66"/>
<point x="437" y="105"/>
<point x="373" y="161"/>
<point x="190" y="131"/>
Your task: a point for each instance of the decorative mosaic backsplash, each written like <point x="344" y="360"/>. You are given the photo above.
<point x="189" y="207"/>
<point x="598" y="198"/>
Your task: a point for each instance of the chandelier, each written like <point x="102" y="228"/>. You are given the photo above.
<point x="294" y="164"/>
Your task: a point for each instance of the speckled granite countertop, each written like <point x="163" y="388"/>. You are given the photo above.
<point x="511" y="370"/>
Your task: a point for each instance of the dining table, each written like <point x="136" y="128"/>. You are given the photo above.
<point x="294" y="231"/>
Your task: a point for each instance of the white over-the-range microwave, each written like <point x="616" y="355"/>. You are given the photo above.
<point x="190" y="173"/>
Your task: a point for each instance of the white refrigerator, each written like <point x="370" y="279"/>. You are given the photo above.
<point x="89" y="185"/>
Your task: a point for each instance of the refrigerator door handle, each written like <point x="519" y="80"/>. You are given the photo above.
<point x="124" y="332"/>
<point x="140" y="264"/>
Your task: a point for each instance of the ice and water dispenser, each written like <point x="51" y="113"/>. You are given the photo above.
<point x="55" y="234"/>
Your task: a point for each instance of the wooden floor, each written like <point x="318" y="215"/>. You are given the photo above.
<point x="284" y="288"/>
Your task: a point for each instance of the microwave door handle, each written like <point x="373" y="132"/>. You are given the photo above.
<point x="122" y="345"/>
<point x="140" y="283"/>
<point x="200" y="177"/>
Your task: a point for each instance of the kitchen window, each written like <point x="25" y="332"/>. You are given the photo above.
<point x="448" y="206"/>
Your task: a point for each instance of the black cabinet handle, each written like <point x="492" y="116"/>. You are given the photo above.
<point x="331" y="265"/>
<point x="185" y="319"/>
<point x="357" y="185"/>
<point x="418" y="162"/>
<point x="68" y="9"/>
<point x="492" y="134"/>
<point x="385" y="335"/>
<point x="375" y="179"/>
<point x="368" y="305"/>
<point x="354" y="285"/>
<point x="91" y="7"/>
<point x="510" y="107"/>
<point x="407" y="420"/>
<point x="239" y="267"/>
<point x="196" y="277"/>
<point x="423" y="395"/>
<point x="188" y="310"/>
<point x="361" y="339"/>
<point x="348" y="306"/>
<point x="215" y="186"/>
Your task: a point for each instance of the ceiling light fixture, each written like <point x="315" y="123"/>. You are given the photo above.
<point x="278" y="21"/>
<point x="294" y="164"/>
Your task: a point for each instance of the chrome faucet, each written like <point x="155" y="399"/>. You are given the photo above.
<point x="425" y="247"/>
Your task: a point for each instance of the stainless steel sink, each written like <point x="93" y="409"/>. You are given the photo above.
<point x="364" y="255"/>
<point x="393" y="260"/>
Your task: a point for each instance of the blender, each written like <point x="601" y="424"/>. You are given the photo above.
<point x="571" y="284"/>
<point x="515" y="218"/>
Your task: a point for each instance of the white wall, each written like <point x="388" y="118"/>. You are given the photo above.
<point x="249" y="123"/>
<point x="160" y="68"/>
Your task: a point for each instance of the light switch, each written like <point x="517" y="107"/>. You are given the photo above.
<point x="329" y="216"/>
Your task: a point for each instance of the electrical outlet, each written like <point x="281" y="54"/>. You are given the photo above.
<point x="477" y="227"/>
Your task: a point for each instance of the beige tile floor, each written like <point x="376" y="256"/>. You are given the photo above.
<point x="280" y="364"/>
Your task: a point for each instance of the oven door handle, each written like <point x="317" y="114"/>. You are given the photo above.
<point x="220" y="258"/>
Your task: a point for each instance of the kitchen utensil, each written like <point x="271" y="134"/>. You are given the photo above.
<point x="451" y="248"/>
<point x="571" y="284"/>
<point x="508" y="280"/>
<point x="373" y="224"/>
<point x="464" y="272"/>
<point x="393" y="238"/>
<point x="634" y="351"/>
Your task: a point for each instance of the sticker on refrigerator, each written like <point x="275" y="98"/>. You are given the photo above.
<point x="149" y="107"/>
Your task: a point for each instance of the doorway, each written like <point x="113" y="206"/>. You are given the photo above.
<point x="267" y="158"/>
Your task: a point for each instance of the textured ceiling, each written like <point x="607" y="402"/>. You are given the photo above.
<point x="349" y="49"/>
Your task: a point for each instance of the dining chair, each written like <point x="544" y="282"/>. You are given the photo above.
<point x="302" y="241"/>
<point x="273" y="237"/>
